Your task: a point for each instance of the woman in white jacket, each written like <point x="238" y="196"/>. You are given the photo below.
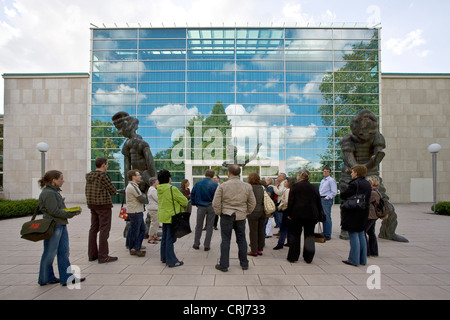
<point x="152" y="212"/>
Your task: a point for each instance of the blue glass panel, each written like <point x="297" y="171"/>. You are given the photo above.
<point x="309" y="34"/>
<point x="162" y="44"/>
<point x="294" y="96"/>
<point x="273" y="86"/>
<point x="162" y="33"/>
<point x="259" y="54"/>
<point x="211" y="54"/>
<point x="309" y="44"/>
<point x="115" y="99"/>
<point x="263" y="33"/>
<point x="153" y="131"/>
<point x="115" y="34"/>
<point x="114" y="77"/>
<point x="259" y="76"/>
<point x="309" y="66"/>
<point x="162" y="76"/>
<point x="307" y="76"/>
<point x="301" y="109"/>
<point x="173" y="98"/>
<point x="304" y="121"/>
<point x="119" y="66"/>
<point x="259" y="98"/>
<point x="211" y="33"/>
<point x="355" y="44"/>
<point x="102" y="110"/>
<point x="210" y="76"/>
<point x="113" y="87"/>
<point x="210" y="87"/>
<point x="211" y="65"/>
<point x="262" y="65"/>
<point x="308" y="87"/>
<point x="307" y="143"/>
<point x="114" y="44"/>
<point x="169" y="120"/>
<point x="168" y="87"/>
<point x="355" y="34"/>
<point x="311" y="130"/>
<point x="210" y="97"/>
<point x="162" y="54"/>
<point x="115" y="55"/>
<point x="210" y="44"/>
<point x="309" y="55"/>
<point x="162" y="65"/>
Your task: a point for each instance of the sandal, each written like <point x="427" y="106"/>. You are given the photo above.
<point x="152" y="241"/>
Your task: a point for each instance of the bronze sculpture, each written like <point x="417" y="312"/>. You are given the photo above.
<point x="136" y="151"/>
<point x="364" y="145"/>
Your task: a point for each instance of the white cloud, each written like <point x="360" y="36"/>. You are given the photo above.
<point x="412" y="40"/>
<point x="122" y="95"/>
<point x="296" y="162"/>
<point x="164" y="118"/>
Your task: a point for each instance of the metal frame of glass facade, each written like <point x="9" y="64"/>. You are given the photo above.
<point x="196" y="90"/>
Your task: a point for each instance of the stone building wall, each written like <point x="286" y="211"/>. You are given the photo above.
<point x="51" y="108"/>
<point x="415" y="113"/>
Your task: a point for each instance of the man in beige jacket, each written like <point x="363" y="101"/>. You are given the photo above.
<point x="233" y="201"/>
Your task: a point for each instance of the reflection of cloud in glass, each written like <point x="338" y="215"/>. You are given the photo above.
<point x="296" y="162"/>
<point x="122" y="95"/>
<point x="164" y="118"/>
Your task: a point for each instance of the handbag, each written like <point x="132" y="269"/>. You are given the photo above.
<point x="39" y="229"/>
<point x="269" y="205"/>
<point x="180" y="222"/>
<point x="356" y="201"/>
<point x="319" y="236"/>
<point x="123" y="211"/>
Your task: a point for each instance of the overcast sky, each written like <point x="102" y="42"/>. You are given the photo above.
<point x="52" y="36"/>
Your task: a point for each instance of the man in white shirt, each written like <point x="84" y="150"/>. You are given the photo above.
<point x="328" y="190"/>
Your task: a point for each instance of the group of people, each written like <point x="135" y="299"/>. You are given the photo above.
<point x="299" y="205"/>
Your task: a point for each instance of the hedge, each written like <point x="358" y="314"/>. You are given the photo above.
<point x="442" y="208"/>
<point x="17" y="208"/>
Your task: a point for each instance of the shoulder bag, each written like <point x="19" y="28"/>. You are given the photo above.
<point x="356" y="201"/>
<point x="180" y="221"/>
<point x="39" y="229"/>
<point x="269" y="205"/>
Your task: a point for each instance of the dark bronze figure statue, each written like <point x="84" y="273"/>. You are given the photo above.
<point x="231" y="152"/>
<point x="136" y="151"/>
<point x="365" y="146"/>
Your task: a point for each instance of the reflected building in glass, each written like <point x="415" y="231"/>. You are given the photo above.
<point x="196" y="91"/>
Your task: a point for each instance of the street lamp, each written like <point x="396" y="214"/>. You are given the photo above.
<point x="43" y="148"/>
<point x="434" y="149"/>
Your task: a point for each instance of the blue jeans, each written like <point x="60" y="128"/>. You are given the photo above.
<point x="57" y="245"/>
<point x="167" y="250"/>
<point x="358" y="248"/>
<point x="136" y="232"/>
<point x="284" y="229"/>
<point x="327" y="225"/>
<point x="227" y="225"/>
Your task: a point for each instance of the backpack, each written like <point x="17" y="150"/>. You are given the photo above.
<point x="380" y="209"/>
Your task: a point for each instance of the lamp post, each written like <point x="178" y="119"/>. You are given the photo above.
<point x="43" y="148"/>
<point x="434" y="149"/>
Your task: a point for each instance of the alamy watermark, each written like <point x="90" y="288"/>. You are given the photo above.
<point x="374" y="280"/>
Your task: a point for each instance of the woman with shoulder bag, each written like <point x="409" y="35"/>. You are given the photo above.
<point x="354" y="220"/>
<point x="51" y="204"/>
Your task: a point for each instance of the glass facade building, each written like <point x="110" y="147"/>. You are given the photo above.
<point x="286" y="93"/>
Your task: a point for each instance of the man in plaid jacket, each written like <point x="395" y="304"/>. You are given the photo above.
<point x="99" y="189"/>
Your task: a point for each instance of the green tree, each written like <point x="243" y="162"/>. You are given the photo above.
<point x="356" y="87"/>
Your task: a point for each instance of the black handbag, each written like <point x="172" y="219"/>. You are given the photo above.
<point x="180" y="222"/>
<point x="36" y="230"/>
<point x="356" y="201"/>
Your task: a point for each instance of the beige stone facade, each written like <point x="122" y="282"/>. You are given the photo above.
<point x="51" y="108"/>
<point x="415" y="113"/>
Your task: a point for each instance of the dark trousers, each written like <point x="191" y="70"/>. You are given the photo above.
<point x="284" y="229"/>
<point x="257" y="231"/>
<point x="100" y="223"/>
<point x="227" y="225"/>
<point x="372" y="243"/>
<point x="295" y="231"/>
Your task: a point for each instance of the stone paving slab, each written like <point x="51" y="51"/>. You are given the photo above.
<point x="418" y="270"/>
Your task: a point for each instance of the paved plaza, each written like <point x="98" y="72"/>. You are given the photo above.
<point x="417" y="270"/>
